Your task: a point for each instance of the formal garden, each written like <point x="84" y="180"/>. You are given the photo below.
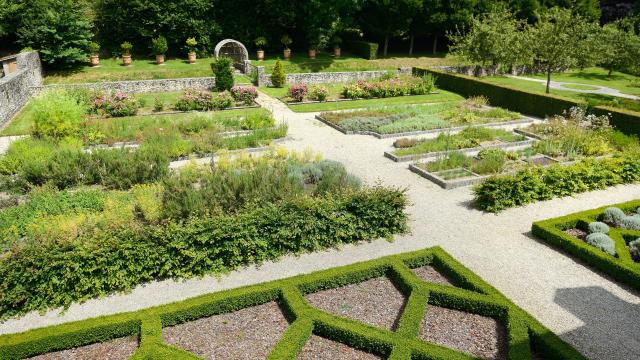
<point x="342" y="179"/>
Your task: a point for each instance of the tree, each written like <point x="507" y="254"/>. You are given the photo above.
<point x="559" y="38"/>
<point x="620" y="47"/>
<point x="60" y="29"/>
<point x="496" y="37"/>
<point x="446" y="16"/>
<point x="223" y="73"/>
<point x="387" y="18"/>
<point x="278" y="77"/>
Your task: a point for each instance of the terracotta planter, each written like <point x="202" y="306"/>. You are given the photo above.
<point x="192" y="58"/>
<point x="312" y="53"/>
<point x="337" y="52"/>
<point x="94" y="60"/>
<point x="287" y="54"/>
<point x="160" y="59"/>
<point x="126" y="60"/>
<point x="260" y="55"/>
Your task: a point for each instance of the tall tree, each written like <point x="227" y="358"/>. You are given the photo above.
<point x="446" y="16"/>
<point x="620" y="46"/>
<point x="559" y="38"/>
<point x="387" y="18"/>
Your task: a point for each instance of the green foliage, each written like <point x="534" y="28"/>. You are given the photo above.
<point x="261" y="42"/>
<point x="278" y="77"/>
<point x="59" y="29"/>
<point x="598" y="227"/>
<point x="191" y="44"/>
<point x="94" y="48"/>
<point x="126" y="48"/>
<point x="367" y="50"/>
<point x="602" y="242"/>
<point x="525" y="334"/>
<point x="257" y="121"/>
<point x="318" y="93"/>
<point x="159" y="45"/>
<point x="223" y="73"/>
<point x="57" y="114"/>
<point x="285" y="40"/>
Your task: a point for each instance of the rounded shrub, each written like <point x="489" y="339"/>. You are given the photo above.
<point x="634" y="248"/>
<point x="602" y="242"/>
<point x="598" y="227"/>
<point x="631" y="222"/>
<point x="278" y="76"/>
<point x="223" y="73"/>
<point x="56" y="115"/>
<point x="613" y="215"/>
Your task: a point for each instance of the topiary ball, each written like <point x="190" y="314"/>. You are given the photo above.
<point x="613" y="215"/>
<point x="634" y="248"/>
<point x="631" y="222"/>
<point x="602" y="242"/>
<point x="598" y="227"/>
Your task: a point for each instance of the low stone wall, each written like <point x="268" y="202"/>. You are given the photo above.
<point x="326" y="77"/>
<point x="144" y="86"/>
<point x="17" y="87"/>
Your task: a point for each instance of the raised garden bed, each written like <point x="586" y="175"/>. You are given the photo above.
<point x="437" y="322"/>
<point x="568" y="234"/>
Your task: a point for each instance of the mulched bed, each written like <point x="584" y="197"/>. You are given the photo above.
<point x="376" y="302"/>
<point x="319" y="348"/>
<point x="117" y="349"/>
<point x="430" y="274"/>
<point x="475" y="334"/>
<point x="577" y="233"/>
<point x="249" y="333"/>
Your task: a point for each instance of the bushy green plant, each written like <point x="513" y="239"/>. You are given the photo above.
<point x="193" y="99"/>
<point x="94" y="48"/>
<point x="158" y="104"/>
<point x="222" y="100"/>
<point x="278" y="76"/>
<point x="598" y="227"/>
<point x="257" y="121"/>
<point x="613" y="215"/>
<point x="56" y="115"/>
<point x="286" y="41"/>
<point x="318" y="93"/>
<point x="602" y="242"/>
<point x="115" y="104"/>
<point x="223" y="73"/>
<point x="126" y="48"/>
<point x="159" y="45"/>
<point x="191" y="44"/>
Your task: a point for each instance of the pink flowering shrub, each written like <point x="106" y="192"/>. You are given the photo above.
<point x="244" y="94"/>
<point x="318" y="93"/>
<point x="116" y="104"/>
<point x="389" y="87"/>
<point x="298" y="91"/>
<point x="194" y="99"/>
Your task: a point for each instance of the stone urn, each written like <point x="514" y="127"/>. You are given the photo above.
<point x="337" y="52"/>
<point x="192" y="58"/>
<point x="94" y="60"/>
<point x="160" y="59"/>
<point x="312" y="53"/>
<point x="260" y="55"/>
<point x="126" y="60"/>
<point x="287" y="54"/>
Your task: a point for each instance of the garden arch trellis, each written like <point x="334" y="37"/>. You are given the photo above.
<point x="234" y="50"/>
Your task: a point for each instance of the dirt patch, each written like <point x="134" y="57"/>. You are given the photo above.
<point x="249" y="333"/>
<point x="117" y="349"/>
<point x="376" y="302"/>
<point x="475" y="334"/>
<point x="319" y="348"/>
<point x="577" y="233"/>
<point x="430" y="274"/>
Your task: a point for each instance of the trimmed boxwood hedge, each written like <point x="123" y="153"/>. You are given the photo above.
<point x="525" y="334"/>
<point x="526" y="102"/>
<point x="367" y="50"/>
<point x="622" y="268"/>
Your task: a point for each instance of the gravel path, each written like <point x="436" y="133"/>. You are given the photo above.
<point x="117" y="349"/>
<point x="591" y="312"/>
<point x="249" y="333"/>
<point x="319" y="348"/>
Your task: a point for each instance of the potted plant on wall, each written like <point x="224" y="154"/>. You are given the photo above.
<point x="94" y="53"/>
<point x="126" y="53"/>
<point x="336" y="41"/>
<point x="191" y="45"/>
<point x="160" y="47"/>
<point x="260" y="42"/>
<point x="286" y="41"/>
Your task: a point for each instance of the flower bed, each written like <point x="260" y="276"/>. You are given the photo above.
<point x="200" y="220"/>
<point x="606" y="238"/>
<point x="525" y="337"/>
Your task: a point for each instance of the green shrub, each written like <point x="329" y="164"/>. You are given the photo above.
<point x="159" y="45"/>
<point x="223" y="73"/>
<point x="222" y="100"/>
<point x="602" y="242"/>
<point x="318" y="93"/>
<point x="257" y="121"/>
<point x="115" y="104"/>
<point x="367" y="50"/>
<point x="613" y="215"/>
<point x="598" y="227"/>
<point x="631" y="222"/>
<point x="126" y="48"/>
<point x="194" y="99"/>
<point x="278" y="76"/>
<point x="56" y="115"/>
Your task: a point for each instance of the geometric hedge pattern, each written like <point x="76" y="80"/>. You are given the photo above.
<point x="621" y="267"/>
<point x="525" y="335"/>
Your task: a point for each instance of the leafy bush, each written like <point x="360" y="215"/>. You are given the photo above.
<point x="94" y="48"/>
<point x="159" y="45"/>
<point x="56" y="115"/>
<point x="318" y="93"/>
<point x="244" y="94"/>
<point x="257" y="121"/>
<point x="602" y="242"/>
<point x="194" y="99"/>
<point x="126" y="48"/>
<point x="222" y="100"/>
<point x="613" y="215"/>
<point x="278" y="76"/>
<point x="158" y="104"/>
<point x="223" y="73"/>
<point x="117" y="104"/>
<point x="384" y="87"/>
<point x="298" y="91"/>
<point x="598" y="227"/>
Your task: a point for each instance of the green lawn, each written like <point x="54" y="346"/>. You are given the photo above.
<point x="599" y="77"/>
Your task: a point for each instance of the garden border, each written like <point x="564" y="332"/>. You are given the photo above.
<point x="294" y="103"/>
<point x="525" y="334"/>
<point x="622" y="271"/>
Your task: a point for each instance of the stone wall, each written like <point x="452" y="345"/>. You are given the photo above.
<point x="326" y="77"/>
<point x="144" y="86"/>
<point x="474" y="70"/>
<point x="17" y="87"/>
